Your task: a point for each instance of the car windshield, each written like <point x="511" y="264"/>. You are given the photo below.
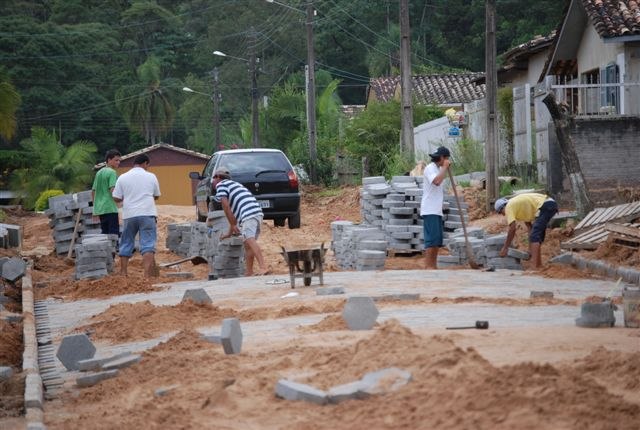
<point x="254" y="162"/>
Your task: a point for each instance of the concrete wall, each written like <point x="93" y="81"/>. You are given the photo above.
<point x="609" y="153"/>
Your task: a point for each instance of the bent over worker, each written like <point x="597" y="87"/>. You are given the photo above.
<point x="244" y="215"/>
<point x="535" y="210"/>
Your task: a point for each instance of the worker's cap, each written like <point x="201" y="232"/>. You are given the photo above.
<point x="500" y="204"/>
<point x="441" y="152"/>
<point x="222" y="173"/>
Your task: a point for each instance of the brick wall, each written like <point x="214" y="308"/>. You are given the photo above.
<point x="609" y="154"/>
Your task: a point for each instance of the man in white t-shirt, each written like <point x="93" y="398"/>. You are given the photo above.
<point x="138" y="190"/>
<point x="431" y="205"/>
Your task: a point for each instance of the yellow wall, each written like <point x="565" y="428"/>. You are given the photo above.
<point x="175" y="184"/>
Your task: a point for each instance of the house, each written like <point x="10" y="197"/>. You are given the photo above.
<point x="448" y="90"/>
<point x="171" y="165"/>
<point x="594" y="68"/>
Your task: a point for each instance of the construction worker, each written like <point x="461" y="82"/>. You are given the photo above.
<point x="244" y="215"/>
<point x="535" y="210"/>
<point x="431" y="205"/>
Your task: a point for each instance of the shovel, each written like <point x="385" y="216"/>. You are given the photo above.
<point x="472" y="261"/>
<point x="195" y="260"/>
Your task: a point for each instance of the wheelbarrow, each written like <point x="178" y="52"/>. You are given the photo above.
<point x="304" y="263"/>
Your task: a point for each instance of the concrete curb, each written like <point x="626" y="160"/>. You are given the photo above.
<point x="33" y="393"/>
<point x="628" y="274"/>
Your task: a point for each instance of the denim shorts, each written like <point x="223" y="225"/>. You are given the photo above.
<point x="250" y="227"/>
<point x="146" y="227"/>
<point x="433" y="231"/>
<point x="539" y="228"/>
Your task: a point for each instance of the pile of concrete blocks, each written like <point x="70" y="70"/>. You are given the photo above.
<point x="513" y="259"/>
<point x="373" y="192"/>
<point x="337" y="228"/>
<point x="10" y="236"/>
<point x="179" y="238"/>
<point x="94" y="256"/>
<point x="64" y="212"/>
<point x="486" y="250"/>
<point x="360" y="247"/>
<point x="199" y="240"/>
<point x="229" y="258"/>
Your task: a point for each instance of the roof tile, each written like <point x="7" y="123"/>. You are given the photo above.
<point x="614" y="18"/>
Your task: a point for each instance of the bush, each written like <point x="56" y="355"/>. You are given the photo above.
<point x="42" y="203"/>
<point x="468" y="156"/>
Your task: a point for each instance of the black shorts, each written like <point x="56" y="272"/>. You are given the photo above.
<point x="109" y="223"/>
<point x="547" y="211"/>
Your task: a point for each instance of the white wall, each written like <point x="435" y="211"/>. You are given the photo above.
<point x="593" y="53"/>
<point x="428" y="136"/>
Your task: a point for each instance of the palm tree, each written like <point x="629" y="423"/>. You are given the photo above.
<point x="146" y="106"/>
<point x="9" y="102"/>
<point x="53" y="166"/>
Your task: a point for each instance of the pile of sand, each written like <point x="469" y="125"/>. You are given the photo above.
<point x="451" y="388"/>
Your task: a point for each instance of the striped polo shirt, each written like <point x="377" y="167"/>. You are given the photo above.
<point x="243" y="204"/>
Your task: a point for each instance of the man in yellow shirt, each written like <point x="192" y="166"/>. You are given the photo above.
<point x="535" y="210"/>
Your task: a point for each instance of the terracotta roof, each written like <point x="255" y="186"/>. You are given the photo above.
<point x="384" y="87"/>
<point x="158" y="146"/>
<point x="441" y="89"/>
<point x="446" y="89"/>
<point x="614" y="18"/>
<point x="527" y="49"/>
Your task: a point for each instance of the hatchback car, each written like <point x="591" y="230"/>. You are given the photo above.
<point x="267" y="173"/>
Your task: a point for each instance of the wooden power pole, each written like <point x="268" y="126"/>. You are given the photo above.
<point x="311" y="96"/>
<point x="255" y="118"/>
<point x="406" y="135"/>
<point x="216" y="109"/>
<point x="491" y="80"/>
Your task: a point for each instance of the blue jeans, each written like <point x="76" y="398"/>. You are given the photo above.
<point x="146" y="227"/>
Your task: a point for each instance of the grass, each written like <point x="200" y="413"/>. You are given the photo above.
<point x="329" y="192"/>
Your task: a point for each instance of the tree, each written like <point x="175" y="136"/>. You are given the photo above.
<point x="147" y="107"/>
<point x="52" y="166"/>
<point x="9" y="102"/>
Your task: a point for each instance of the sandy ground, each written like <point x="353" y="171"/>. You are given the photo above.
<point x="555" y="378"/>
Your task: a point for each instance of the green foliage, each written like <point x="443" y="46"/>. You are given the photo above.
<point x="42" y="202"/>
<point x="3" y="216"/>
<point x="464" y="184"/>
<point x="9" y="102"/>
<point x="375" y="133"/>
<point x="467" y="156"/>
<point x="506" y="189"/>
<point x="52" y="166"/>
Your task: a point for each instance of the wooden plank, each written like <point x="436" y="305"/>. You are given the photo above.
<point x="586" y="236"/>
<point x="623" y="229"/>
<point x="631" y="209"/>
<point x="604" y="215"/>
<point x="587" y="220"/>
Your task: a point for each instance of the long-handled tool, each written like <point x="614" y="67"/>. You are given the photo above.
<point x="472" y="261"/>
<point x="195" y="260"/>
<point x="480" y="325"/>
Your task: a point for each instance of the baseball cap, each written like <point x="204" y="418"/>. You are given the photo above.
<point x="222" y="173"/>
<point x="441" y="152"/>
<point x="500" y="204"/>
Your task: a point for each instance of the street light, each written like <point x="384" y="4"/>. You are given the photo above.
<point x="310" y="87"/>
<point x="189" y="90"/>
<point x="255" y="140"/>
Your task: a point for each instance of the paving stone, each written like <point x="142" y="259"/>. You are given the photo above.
<point x="36" y="426"/>
<point x="327" y="291"/>
<point x="290" y="390"/>
<point x="213" y="338"/>
<point x="231" y="336"/>
<point x="74" y="348"/>
<point x="542" y="294"/>
<point x="515" y="253"/>
<point x="5" y="373"/>
<point x="398" y="296"/>
<point x="385" y="380"/>
<point x="122" y="362"/>
<point x="163" y="391"/>
<point x="360" y="313"/>
<point x="565" y="258"/>
<point x="13" y="269"/>
<point x="349" y="391"/>
<point x="94" y="378"/>
<point x="33" y="391"/>
<point x="595" y="315"/>
<point x="181" y="275"/>
<point x="197" y="295"/>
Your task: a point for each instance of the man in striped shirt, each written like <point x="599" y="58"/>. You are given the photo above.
<point x="244" y="215"/>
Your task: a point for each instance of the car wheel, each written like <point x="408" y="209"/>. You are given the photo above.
<point x="294" y="220"/>
<point x="279" y="222"/>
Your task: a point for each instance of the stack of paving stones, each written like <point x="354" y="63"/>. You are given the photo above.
<point x="229" y="259"/>
<point x="199" y="240"/>
<point x="403" y="225"/>
<point x="175" y="235"/>
<point x="63" y="212"/>
<point x="94" y="256"/>
<point x="360" y="247"/>
<point x="337" y="229"/>
<point x="486" y="251"/>
<point x="10" y="236"/>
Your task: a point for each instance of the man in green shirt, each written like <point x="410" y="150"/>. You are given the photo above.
<point x="103" y="204"/>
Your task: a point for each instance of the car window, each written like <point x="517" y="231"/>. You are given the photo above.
<point x="253" y="162"/>
<point x="208" y="169"/>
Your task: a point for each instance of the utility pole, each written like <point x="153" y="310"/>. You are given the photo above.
<point x="406" y="135"/>
<point x="311" y="95"/>
<point x="491" y="81"/>
<point x="216" y="108"/>
<point x="255" y="135"/>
